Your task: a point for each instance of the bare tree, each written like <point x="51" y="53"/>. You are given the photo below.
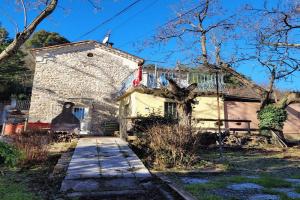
<point x="282" y="25"/>
<point x="277" y="47"/>
<point x="21" y="37"/>
<point x="197" y="23"/>
<point x="184" y="98"/>
<point x="274" y="40"/>
<point x="46" y="7"/>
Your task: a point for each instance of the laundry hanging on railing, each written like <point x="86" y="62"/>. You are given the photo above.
<point x="138" y="78"/>
<point x="151" y="81"/>
<point x="163" y="80"/>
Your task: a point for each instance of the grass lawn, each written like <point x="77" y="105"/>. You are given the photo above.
<point x="30" y="181"/>
<point x="10" y="190"/>
<point x="266" y="168"/>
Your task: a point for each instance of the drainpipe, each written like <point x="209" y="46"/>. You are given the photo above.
<point x="155" y="75"/>
<point x="219" y="115"/>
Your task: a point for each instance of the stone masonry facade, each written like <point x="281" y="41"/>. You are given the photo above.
<point x="88" y="74"/>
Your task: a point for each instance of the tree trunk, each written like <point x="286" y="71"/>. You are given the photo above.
<point x="267" y="96"/>
<point x="288" y="99"/>
<point x="184" y="114"/>
<point x="203" y="48"/>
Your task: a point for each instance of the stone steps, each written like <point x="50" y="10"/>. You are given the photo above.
<point x="101" y="184"/>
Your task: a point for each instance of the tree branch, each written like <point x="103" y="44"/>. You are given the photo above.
<point x="283" y="44"/>
<point x="21" y="38"/>
<point x="25" y="13"/>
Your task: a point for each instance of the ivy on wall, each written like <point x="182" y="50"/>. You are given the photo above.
<point x="272" y="117"/>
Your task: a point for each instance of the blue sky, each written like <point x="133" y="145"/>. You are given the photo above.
<point x="73" y="18"/>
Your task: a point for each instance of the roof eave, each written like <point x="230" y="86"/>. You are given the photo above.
<point x="118" y="52"/>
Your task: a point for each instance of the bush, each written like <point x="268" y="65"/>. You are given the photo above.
<point x="9" y="155"/>
<point x="34" y="144"/>
<point x="168" y="146"/>
<point x="272" y="117"/>
<point x="207" y="138"/>
<point x="142" y="124"/>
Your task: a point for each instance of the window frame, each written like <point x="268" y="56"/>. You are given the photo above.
<point x="170" y="109"/>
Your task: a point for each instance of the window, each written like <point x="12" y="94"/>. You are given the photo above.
<point x="79" y="112"/>
<point x="90" y="54"/>
<point x="170" y="109"/>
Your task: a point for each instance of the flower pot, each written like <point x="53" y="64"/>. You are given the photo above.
<point x="19" y="128"/>
<point x="9" y="129"/>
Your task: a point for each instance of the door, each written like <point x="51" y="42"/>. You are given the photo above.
<point x="82" y="114"/>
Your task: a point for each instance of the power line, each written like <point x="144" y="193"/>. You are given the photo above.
<point x="109" y="19"/>
<point x="170" y="21"/>
<point x="155" y="61"/>
<point x="139" y="12"/>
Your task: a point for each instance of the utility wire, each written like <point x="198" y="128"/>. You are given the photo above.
<point x="109" y="19"/>
<point x="168" y="22"/>
<point x="134" y="15"/>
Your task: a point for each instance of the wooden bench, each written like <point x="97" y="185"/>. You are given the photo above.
<point x="248" y="129"/>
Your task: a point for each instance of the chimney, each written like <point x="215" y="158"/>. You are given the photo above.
<point x="110" y="44"/>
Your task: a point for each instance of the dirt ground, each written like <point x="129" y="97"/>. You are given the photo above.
<point x="271" y="170"/>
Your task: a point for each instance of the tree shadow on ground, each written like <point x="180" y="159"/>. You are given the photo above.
<point x="278" y="162"/>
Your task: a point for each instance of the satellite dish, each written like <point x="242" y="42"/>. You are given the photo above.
<point x="106" y="39"/>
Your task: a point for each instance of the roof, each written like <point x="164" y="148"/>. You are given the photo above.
<point x="241" y="94"/>
<point x="93" y="42"/>
<point x="231" y="94"/>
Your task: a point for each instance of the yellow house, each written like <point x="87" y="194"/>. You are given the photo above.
<point x="142" y="102"/>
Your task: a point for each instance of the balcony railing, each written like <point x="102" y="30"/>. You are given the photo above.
<point x="23" y="104"/>
<point x="127" y="82"/>
<point x="206" y="82"/>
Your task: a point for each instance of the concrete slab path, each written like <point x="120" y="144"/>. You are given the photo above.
<point x="104" y="165"/>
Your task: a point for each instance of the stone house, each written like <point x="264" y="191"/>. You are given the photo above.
<point x="86" y="73"/>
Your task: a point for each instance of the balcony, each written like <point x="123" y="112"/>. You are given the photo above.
<point x="206" y="82"/>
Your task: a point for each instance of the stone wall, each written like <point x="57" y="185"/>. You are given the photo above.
<point x="68" y="74"/>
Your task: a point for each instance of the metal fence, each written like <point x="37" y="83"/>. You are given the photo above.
<point x="23" y="104"/>
<point x="206" y="82"/>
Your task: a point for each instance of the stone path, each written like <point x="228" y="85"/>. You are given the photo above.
<point x="248" y="190"/>
<point x="104" y="166"/>
<point x="244" y="186"/>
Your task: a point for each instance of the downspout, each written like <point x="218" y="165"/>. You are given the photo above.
<point x="155" y="75"/>
<point x="219" y="115"/>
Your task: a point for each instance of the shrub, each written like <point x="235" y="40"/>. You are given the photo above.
<point x="272" y="117"/>
<point x="142" y="124"/>
<point x="9" y="155"/>
<point x="34" y="144"/>
<point x="169" y="146"/>
<point x="207" y="138"/>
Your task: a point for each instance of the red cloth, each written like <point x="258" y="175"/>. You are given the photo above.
<point x="138" y="78"/>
